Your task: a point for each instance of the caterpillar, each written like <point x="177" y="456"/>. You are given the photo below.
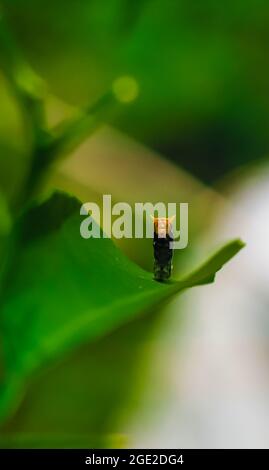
<point x="163" y="251"/>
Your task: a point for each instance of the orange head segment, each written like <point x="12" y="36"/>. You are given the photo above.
<point x="162" y="225"/>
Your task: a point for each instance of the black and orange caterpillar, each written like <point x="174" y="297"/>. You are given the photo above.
<point x="163" y="251"/>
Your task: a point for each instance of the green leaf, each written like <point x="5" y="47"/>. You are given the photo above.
<point x="64" y="291"/>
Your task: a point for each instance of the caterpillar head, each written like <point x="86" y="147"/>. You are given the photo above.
<point x="162" y="225"/>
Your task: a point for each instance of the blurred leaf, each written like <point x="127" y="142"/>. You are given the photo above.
<point x="64" y="290"/>
<point x="88" y="395"/>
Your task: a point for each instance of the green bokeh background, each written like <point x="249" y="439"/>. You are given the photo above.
<point x="200" y="119"/>
<point x="202" y="69"/>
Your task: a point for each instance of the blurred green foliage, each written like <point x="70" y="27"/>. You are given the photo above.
<point x="68" y="307"/>
<point x="202" y="67"/>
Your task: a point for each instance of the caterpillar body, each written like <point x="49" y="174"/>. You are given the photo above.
<point x="163" y="251"/>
